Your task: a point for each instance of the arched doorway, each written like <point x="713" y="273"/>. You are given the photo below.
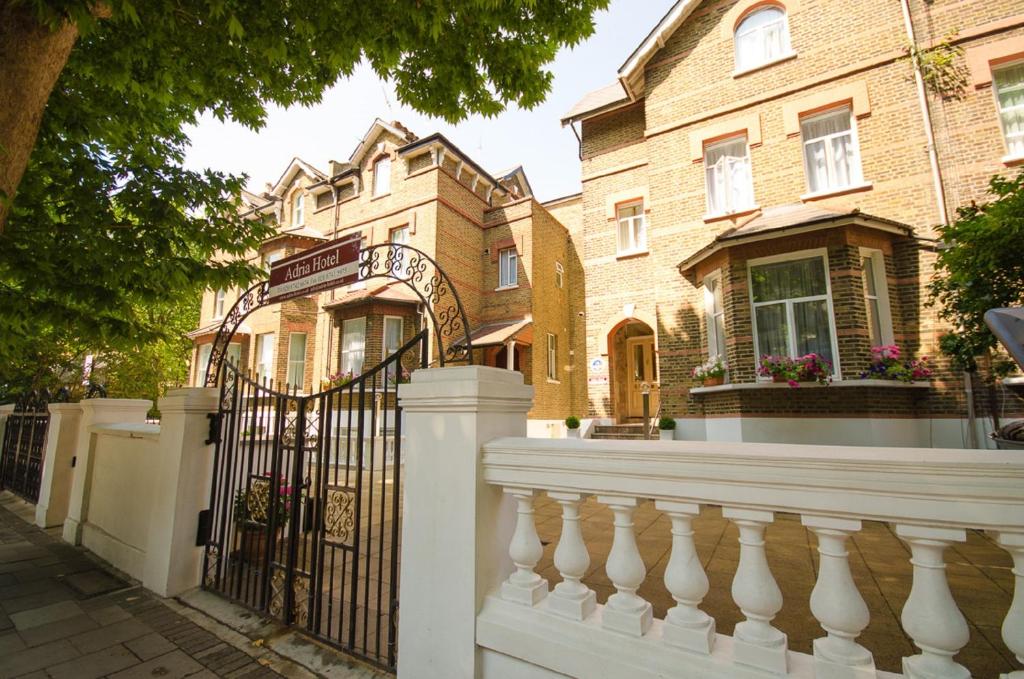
<point x="634" y="366"/>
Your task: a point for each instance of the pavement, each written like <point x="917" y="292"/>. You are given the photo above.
<point x="979" y="574"/>
<point x="66" y="614"/>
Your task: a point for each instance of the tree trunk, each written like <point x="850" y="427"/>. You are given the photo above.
<point x="31" y="58"/>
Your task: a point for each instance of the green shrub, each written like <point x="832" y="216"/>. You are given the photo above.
<point x="572" y="422"/>
<point x="666" y="423"/>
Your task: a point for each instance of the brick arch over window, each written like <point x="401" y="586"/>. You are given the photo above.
<point x="744" y="8"/>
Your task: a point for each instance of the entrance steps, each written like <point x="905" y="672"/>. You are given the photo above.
<point x="622" y="432"/>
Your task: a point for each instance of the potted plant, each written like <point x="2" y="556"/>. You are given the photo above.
<point x="712" y="372"/>
<point x="338" y="379"/>
<point x="666" y="428"/>
<point x="253" y="515"/>
<point x="807" y="368"/>
<point x="572" y="427"/>
<point x="886" y="364"/>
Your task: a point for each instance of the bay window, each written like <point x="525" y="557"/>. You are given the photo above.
<point x="876" y="298"/>
<point x="353" y="345"/>
<point x="714" y="311"/>
<point x="831" y="157"/>
<point x="792" y="307"/>
<point x="632" y="228"/>
<point x="1009" y="87"/>
<point x="727" y="174"/>
<point x="296" y="359"/>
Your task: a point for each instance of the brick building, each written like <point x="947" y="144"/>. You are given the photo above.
<point x="765" y="177"/>
<point x="512" y="262"/>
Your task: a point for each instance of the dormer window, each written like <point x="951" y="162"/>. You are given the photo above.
<point x="299" y="211"/>
<point x="761" y="38"/>
<point x="382" y="176"/>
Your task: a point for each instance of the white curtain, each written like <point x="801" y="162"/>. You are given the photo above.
<point x="729" y="182"/>
<point x="1010" y="91"/>
<point x="828" y="149"/>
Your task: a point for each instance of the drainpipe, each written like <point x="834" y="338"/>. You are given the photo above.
<point x="922" y="100"/>
<point x="940" y="197"/>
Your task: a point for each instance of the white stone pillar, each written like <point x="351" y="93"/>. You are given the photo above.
<point x="837" y="604"/>
<point x="930" y="616"/>
<point x="456" y="528"/>
<point x="626" y="611"/>
<point x="185" y="468"/>
<point x="685" y="624"/>
<point x="1013" y="624"/>
<point x="95" y="411"/>
<point x="755" y="641"/>
<point x="55" y="485"/>
<point x="571" y="598"/>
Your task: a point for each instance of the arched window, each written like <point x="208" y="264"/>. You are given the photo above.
<point x="761" y="38"/>
<point x="382" y="176"/>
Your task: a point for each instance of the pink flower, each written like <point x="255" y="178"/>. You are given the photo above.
<point x="793" y="383"/>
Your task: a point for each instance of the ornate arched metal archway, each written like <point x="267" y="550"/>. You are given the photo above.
<point x="402" y="263"/>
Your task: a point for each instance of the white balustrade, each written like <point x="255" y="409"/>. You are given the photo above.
<point x="571" y="598"/>
<point x="837" y="604"/>
<point x="930" y="615"/>
<point x="1013" y="624"/>
<point x="524" y="585"/>
<point x="686" y="625"/>
<point x="625" y="611"/>
<point x="757" y="594"/>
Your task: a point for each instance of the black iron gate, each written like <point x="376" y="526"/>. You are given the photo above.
<point x="24" y="443"/>
<point x="306" y="503"/>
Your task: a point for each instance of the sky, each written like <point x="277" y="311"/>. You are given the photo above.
<point x="534" y="139"/>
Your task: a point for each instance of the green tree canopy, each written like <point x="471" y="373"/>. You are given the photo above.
<point x="107" y="224"/>
<point x="981" y="268"/>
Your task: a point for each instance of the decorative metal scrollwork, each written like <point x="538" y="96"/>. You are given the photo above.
<point x="247" y="302"/>
<point x="212" y="561"/>
<point x="95" y="390"/>
<point x="300" y="596"/>
<point x="257" y="500"/>
<point x="339" y="515"/>
<point x="421" y="274"/>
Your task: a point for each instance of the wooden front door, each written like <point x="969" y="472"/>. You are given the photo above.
<point x="641" y="368"/>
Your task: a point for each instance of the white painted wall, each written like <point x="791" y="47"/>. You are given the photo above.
<point x="115" y="522"/>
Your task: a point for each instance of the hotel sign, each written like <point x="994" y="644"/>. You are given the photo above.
<point x="324" y="267"/>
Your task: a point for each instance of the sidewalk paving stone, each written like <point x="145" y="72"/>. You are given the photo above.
<point x="44" y="614"/>
<point x="94" y="665"/>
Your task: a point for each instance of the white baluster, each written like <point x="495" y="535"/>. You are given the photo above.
<point x="837" y="604"/>
<point x="625" y="611"/>
<point x="1013" y="624"/>
<point x="685" y="624"/>
<point x="524" y="586"/>
<point x="930" y="615"/>
<point x="755" y="641"/>
<point x="571" y="598"/>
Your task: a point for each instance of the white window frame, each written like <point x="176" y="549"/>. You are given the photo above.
<point x="885" y="330"/>
<point x="361" y="320"/>
<point x="1010" y="156"/>
<point x="203" y="354"/>
<point x="289" y="375"/>
<point x="299" y="210"/>
<point x="730" y="209"/>
<point x="716" y="344"/>
<point x="552" y="346"/>
<point x="265" y="368"/>
<point x="787" y="50"/>
<point x="384" y="335"/>
<point x="559" y="275"/>
<point x="219" y="302"/>
<point x="508" y="268"/>
<point x="637" y="228"/>
<point x="381" y="180"/>
<point x="790" y="324"/>
<point x="856" y="167"/>
<point x="271" y="257"/>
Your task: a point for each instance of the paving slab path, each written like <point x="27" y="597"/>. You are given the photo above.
<point x="64" y="614"/>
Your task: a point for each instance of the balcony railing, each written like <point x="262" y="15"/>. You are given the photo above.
<point x="930" y="497"/>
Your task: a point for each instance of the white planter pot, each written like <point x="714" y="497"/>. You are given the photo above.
<point x="572" y="433"/>
<point x="667" y="434"/>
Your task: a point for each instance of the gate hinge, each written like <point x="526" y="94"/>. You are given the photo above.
<point x="204" y="527"/>
<point x="214" y="435"/>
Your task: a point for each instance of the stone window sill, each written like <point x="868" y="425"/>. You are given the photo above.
<point x="503" y="288"/>
<point x="383" y="195"/>
<point x="629" y="254"/>
<point x="744" y="386"/>
<point x="814" y="195"/>
<point x="754" y="69"/>
<point x="728" y="215"/>
<point x="1012" y="160"/>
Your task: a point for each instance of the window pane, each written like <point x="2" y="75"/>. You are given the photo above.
<point x="235" y="354"/>
<point x="719" y="334"/>
<point x="296" y="359"/>
<point x="353" y="341"/>
<point x="761" y="37"/>
<point x="874" y="322"/>
<point x="382" y="176"/>
<point x="842" y="150"/>
<point x="824" y="125"/>
<point x="812" y="330"/>
<point x="1010" y="96"/>
<point x="788" y="280"/>
<point x="638" y="363"/>
<point x="772" y="330"/>
<point x="204" y="361"/>
<point x="869" y="275"/>
<point x="817" y="165"/>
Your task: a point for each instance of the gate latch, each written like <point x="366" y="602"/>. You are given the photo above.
<point x="214" y="434"/>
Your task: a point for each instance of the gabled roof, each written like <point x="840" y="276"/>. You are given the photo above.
<point x="377" y="128"/>
<point x="630" y="84"/>
<point x="297" y="165"/>
<point x="782" y="220"/>
<point x="518" y="175"/>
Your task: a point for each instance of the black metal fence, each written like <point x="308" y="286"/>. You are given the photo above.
<point x="306" y="504"/>
<point x="24" y="443"/>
